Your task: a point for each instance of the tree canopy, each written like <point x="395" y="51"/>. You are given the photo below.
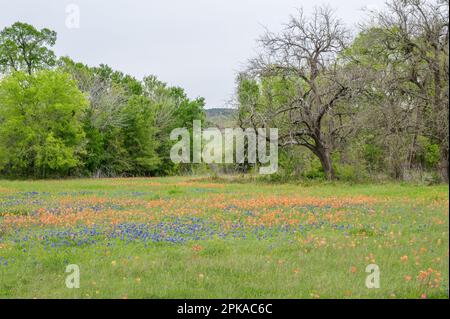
<point x="25" y="48"/>
<point x="373" y="105"/>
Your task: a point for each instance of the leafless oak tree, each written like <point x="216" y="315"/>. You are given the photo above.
<point x="306" y="51"/>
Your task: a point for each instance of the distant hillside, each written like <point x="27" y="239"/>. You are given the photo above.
<point x="221" y="117"/>
<point x="220" y="112"/>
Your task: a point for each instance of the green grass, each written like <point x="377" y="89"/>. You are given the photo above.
<point x="343" y="229"/>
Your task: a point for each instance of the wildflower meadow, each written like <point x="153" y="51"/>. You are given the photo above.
<point x="184" y="237"/>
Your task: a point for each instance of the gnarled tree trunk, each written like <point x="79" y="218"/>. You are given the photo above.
<point x="325" y="159"/>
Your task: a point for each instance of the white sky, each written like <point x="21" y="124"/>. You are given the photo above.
<point x="199" y="45"/>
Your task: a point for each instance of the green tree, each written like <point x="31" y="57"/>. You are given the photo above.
<point x="173" y="109"/>
<point x="41" y="133"/>
<point x="139" y="132"/>
<point x="405" y="63"/>
<point x="23" y="47"/>
<point x="128" y="122"/>
<point x="303" y="85"/>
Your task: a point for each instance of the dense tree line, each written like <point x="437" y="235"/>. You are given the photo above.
<point x="62" y="118"/>
<point x="373" y="105"/>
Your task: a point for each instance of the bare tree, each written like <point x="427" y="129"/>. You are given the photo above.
<point x="311" y="113"/>
<point x="417" y="36"/>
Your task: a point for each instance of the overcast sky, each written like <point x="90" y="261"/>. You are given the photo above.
<point x="199" y="45"/>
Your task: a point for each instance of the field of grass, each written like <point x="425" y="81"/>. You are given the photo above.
<point x="199" y="238"/>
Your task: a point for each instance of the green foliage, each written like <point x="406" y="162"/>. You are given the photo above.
<point x="316" y="170"/>
<point x="128" y="122"/>
<point x="372" y="153"/>
<point x="40" y="130"/>
<point x="351" y="173"/>
<point x="173" y="109"/>
<point x="96" y="121"/>
<point x="23" y="47"/>
<point x="139" y="134"/>
<point x="368" y="49"/>
<point x="428" y="153"/>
